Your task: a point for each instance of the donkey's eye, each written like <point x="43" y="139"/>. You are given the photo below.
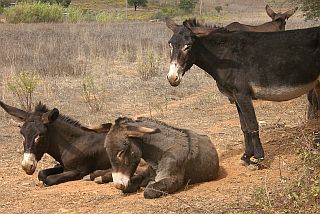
<point x="37" y="138"/>
<point x="119" y="155"/>
<point x="186" y="47"/>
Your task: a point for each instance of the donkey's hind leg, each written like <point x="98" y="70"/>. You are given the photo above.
<point x="314" y="102"/>
<point x="97" y="174"/>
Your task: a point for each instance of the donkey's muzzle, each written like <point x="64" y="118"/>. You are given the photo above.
<point x="119" y="186"/>
<point x="29" y="163"/>
<point x="174" y="80"/>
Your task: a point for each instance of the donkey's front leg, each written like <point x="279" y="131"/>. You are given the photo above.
<point x="246" y="107"/>
<point x="43" y="174"/>
<point x="163" y="187"/>
<point x="64" y="177"/>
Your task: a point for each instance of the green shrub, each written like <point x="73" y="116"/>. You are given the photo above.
<point x="110" y="17"/>
<point x="164" y="12"/>
<point x="218" y="8"/>
<point x="34" y="13"/>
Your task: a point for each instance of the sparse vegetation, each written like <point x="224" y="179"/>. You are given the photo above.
<point x="301" y="195"/>
<point x="23" y="86"/>
<point x="311" y="8"/>
<point x="90" y="94"/>
<point x="148" y="66"/>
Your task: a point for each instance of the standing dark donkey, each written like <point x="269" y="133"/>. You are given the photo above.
<point x="278" y="22"/>
<point x="78" y="149"/>
<point x="275" y="66"/>
<point x="177" y="156"/>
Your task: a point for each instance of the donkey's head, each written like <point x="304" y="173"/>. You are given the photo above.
<point x="123" y="147"/>
<point x="182" y="43"/>
<point x="34" y="131"/>
<point x="280" y="17"/>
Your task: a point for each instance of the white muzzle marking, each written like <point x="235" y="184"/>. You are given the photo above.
<point x="29" y="163"/>
<point x="120" y="178"/>
<point x="173" y="75"/>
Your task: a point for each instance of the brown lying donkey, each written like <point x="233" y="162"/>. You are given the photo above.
<point x="278" y="22"/>
<point x="176" y="156"/>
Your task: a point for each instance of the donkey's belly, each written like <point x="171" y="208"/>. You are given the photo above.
<point x="281" y="93"/>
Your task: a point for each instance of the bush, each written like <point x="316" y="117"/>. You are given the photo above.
<point x="218" y="9"/>
<point x="23" y="87"/>
<point x="148" y="66"/>
<point x="164" y="12"/>
<point x="187" y="5"/>
<point x="34" y="13"/>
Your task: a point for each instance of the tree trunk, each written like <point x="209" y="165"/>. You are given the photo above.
<point x="135" y="7"/>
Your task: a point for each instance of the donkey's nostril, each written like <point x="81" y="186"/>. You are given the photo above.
<point x="176" y="79"/>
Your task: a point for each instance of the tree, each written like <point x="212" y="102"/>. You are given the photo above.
<point x="188" y="5"/>
<point x="137" y="3"/>
<point x="310" y="8"/>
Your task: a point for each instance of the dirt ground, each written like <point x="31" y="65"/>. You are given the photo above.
<point x="196" y="104"/>
<point x="21" y="193"/>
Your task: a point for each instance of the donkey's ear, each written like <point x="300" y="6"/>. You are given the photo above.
<point x="171" y="24"/>
<point x="289" y="13"/>
<point x="139" y="132"/>
<point x="102" y="128"/>
<point x="270" y="12"/>
<point x="50" y="116"/>
<point x="19" y="114"/>
<point x="201" y="31"/>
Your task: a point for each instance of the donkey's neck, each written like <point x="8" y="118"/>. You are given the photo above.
<point x="61" y="135"/>
<point x="212" y="61"/>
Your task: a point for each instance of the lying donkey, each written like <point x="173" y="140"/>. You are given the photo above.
<point x="177" y="156"/>
<point x="78" y="149"/>
<point x="278" y="22"/>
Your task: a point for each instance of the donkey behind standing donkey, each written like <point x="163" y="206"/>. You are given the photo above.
<point x="278" y="22"/>
<point x="78" y="149"/>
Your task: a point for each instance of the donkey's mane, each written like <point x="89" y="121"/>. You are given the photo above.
<point x="196" y="23"/>
<point x="42" y="108"/>
<point x="160" y="123"/>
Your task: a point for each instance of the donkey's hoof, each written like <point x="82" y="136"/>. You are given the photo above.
<point x="244" y="163"/>
<point x="253" y="167"/>
<point x="255" y="160"/>
<point x="86" y="178"/>
<point x="98" y="180"/>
